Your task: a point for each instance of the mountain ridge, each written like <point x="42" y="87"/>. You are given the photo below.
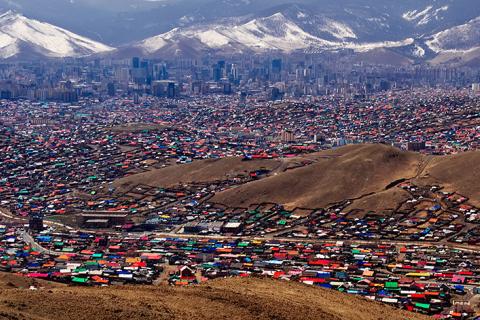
<point x="23" y="37"/>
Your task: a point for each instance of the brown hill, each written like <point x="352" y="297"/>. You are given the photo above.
<point x="222" y="299"/>
<point x="344" y="173"/>
<point x="380" y="202"/>
<point x="457" y="173"/>
<point x="198" y="171"/>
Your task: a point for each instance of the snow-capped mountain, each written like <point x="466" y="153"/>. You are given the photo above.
<point x="118" y="22"/>
<point x="419" y="30"/>
<point x="458" y="45"/>
<point x="23" y="37"/>
<point x="272" y="33"/>
<point x="460" y="38"/>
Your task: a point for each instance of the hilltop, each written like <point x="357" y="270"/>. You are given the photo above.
<point x="345" y="173"/>
<point x="221" y="299"/>
<point x="363" y="173"/>
<point x="204" y="171"/>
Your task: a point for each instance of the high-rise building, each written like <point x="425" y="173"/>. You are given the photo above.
<point x="276" y="66"/>
<point x="276" y="94"/>
<point x="227" y="88"/>
<point x="171" y="90"/>
<point x="111" y="89"/>
<point x="217" y="73"/>
<point x="123" y="75"/>
<point x="476" y="88"/>
<point x="164" y="88"/>
<point x="135" y="62"/>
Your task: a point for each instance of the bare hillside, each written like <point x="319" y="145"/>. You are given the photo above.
<point x="356" y="171"/>
<point x="222" y="299"/>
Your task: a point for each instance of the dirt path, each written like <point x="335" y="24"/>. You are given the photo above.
<point x="163" y="278"/>
<point x="422" y="166"/>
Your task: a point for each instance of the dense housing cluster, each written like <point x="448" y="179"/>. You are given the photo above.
<point x="69" y="215"/>
<point x="427" y="279"/>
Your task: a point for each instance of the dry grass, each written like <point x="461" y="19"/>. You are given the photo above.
<point x="356" y="171"/>
<point x="222" y="299"/>
<point x="382" y="201"/>
<point x="457" y="173"/>
<point x="11" y="281"/>
<point x="198" y="171"/>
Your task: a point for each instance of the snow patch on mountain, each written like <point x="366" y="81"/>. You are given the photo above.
<point x="301" y="15"/>
<point x="274" y="32"/>
<point x="153" y="44"/>
<point x="337" y="29"/>
<point x="416" y="14"/>
<point x="364" y="47"/>
<point x="381" y="22"/>
<point x="418" y="51"/>
<point x="213" y="38"/>
<point x="423" y="17"/>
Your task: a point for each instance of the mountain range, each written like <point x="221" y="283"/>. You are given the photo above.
<point x="439" y="31"/>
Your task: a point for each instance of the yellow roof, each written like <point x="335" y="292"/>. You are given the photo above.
<point x="418" y="274"/>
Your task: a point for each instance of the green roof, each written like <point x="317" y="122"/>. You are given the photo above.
<point x="391" y="285"/>
<point x="79" y="280"/>
<point x="422" y="305"/>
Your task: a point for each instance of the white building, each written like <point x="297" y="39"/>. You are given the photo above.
<point x="476" y="88"/>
